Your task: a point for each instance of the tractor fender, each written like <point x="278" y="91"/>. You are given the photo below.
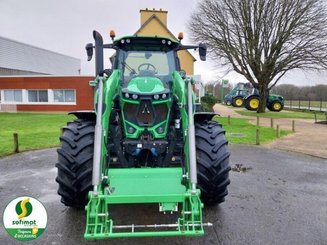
<point x="204" y="116"/>
<point x="88" y="115"/>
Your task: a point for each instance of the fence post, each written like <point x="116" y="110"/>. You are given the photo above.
<point x="309" y="104"/>
<point x="299" y="104"/>
<point x="257" y="137"/>
<point x="271" y="122"/>
<point x="315" y="117"/>
<point x="293" y="126"/>
<point x="277" y="131"/>
<point x="320" y="104"/>
<point x="16" y="144"/>
<point x="258" y="121"/>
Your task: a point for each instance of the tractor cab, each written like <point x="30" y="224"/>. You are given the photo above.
<point x="146" y="57"/>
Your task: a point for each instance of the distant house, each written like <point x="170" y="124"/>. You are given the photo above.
<point x="154" y="22"/>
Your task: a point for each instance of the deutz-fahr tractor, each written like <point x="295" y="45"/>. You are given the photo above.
<point x="143" y="144"/>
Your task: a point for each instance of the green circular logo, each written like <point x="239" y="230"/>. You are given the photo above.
<point x="24" y="208"/>
<point x="25" y="218"/>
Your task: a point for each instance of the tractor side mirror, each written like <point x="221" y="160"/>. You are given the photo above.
<point x="89" y="51"/>
<point x="202" y="51"/>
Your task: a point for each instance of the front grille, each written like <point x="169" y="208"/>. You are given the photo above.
<point x="161" y="112"/>
<point x="130" y="112"/>
<point x="145" y="114"/>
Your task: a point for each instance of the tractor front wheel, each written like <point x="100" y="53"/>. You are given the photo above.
<point x="212" y="157"/>
<point x="238" y="101"/>
<point x="75" y="158"/>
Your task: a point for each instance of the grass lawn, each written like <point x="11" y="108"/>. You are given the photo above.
<point x="240" y="131"/>
<point x="35" y="131"/>
<point x="283" y="114"/>
<point x="38" y="131"/>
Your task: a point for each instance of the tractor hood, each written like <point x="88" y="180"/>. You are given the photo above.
<point x="145" y="85"/>
<point x="276" y="96"/>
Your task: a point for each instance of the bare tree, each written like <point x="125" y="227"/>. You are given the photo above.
<point x="263" y="39"/>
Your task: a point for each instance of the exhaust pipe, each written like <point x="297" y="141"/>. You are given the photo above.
<point x="98" y="126"/>
<point x="98" y="46"/>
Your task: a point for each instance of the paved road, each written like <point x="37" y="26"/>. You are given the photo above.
<point x="281" y="200"/>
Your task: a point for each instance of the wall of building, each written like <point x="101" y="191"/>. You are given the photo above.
<point x="67" y="93"/>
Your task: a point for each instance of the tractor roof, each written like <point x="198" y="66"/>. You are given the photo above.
<point x="146" y="43"/>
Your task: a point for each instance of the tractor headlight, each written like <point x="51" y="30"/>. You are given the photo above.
<point x="134" y="96"/>
<point x="127" y="95"/>
<point x="156" y="96"/>
<point x="131" y="130"/>
<point x="160" y="130"/>
<point x="164" y="96"/>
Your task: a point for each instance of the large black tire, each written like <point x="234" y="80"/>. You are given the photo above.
<point x="212" y="156"/>
<point x="238" y="101"/>
<point x="75" y="158"/>
<point x="276" y="106"/>
<point x="252" y="103"/>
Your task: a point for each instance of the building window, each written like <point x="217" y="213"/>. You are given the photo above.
<point x="13" y="95"/>
<point x="64" y="95"/>
<point x="37" y="95"/>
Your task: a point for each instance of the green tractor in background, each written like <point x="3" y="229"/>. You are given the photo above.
<point x="243" y="94"/>
<point x="274" y="102"/>
<point x="143" y="144"/>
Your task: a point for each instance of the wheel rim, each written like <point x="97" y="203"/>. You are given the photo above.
<point x="239" y="102"/>
<point x="277" y="106"/>
<point x="254" y="103"/>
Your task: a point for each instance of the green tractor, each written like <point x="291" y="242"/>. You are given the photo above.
<point x="143" y="143"/>
<point x="274" y="102"/>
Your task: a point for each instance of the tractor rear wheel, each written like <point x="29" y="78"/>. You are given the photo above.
<point x="252" y="103"/>
<point x="212" y="162"/>
<point x="238" y="101"/>
<point x="75" y="158"/>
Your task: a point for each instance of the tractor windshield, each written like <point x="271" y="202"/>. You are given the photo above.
<point x="146" y="63"/>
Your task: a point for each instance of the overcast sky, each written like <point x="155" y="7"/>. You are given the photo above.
<point x="65" y="26"/>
